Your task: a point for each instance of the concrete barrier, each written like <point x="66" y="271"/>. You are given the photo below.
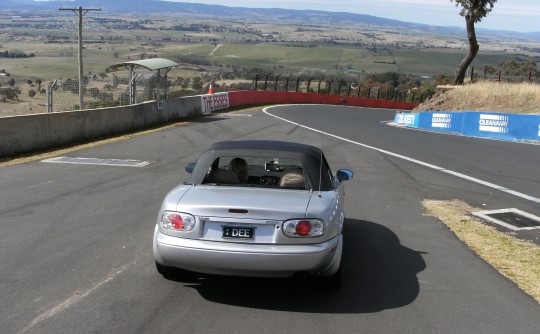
<point x="476" y="124"/>
<point x="23" y="134"/>
<point x="239" y="98"/>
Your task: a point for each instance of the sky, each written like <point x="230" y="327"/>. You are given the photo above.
<point x="513" y="15"/>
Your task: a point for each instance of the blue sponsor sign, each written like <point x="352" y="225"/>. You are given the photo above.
<point x="476" y="124"/>
<point x="441" y="121"/>
<point x="407" y="119"/>
<point x="502" y="126"/>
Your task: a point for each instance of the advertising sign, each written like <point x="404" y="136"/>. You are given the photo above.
<point x="213" y="102"/>
<point x="476" y="124"/>
<point x="406" y="119"/>
<point x="441" y="121"/>
<point x="501" y="126"/>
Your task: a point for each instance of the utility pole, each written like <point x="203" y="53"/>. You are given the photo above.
<point x="80" y="12"/>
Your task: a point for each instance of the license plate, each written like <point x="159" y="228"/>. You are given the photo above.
<point x="235" y="232"/>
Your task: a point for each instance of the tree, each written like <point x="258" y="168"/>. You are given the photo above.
<point x="473" y="11"/>
<point x="197" y="84"/>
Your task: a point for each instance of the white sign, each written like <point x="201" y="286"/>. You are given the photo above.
<point x="213" y="102"/>
<point x="406" y="119"/>
<point x="439" y="120"/>
<point x="493" y="123"/>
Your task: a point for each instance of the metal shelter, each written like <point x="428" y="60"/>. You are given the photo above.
<point x="154" y="64"/>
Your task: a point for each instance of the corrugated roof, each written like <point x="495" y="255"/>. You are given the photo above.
<point x="150" y="64"/>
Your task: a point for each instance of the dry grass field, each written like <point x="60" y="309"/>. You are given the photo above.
<point x="350" y="51"/>
<point x="522" y="98"/>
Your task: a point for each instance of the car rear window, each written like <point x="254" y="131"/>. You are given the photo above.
<point x="256" y="171"/>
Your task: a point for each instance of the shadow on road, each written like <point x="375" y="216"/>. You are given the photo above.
<point x="378" y="273"/>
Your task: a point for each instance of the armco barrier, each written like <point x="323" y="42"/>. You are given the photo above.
<point x="22" y="134"/>
<point x="476" y="124"/>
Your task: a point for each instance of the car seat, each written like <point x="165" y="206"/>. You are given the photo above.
<point x="292" y="178"/>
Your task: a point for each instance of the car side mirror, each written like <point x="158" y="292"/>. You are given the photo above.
<point x="190" y="167"/>
<point x="344" y="175"/>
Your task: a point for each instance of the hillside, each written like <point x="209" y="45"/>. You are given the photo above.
<point x="269" y="15"/>
<point x="521" y="98"/>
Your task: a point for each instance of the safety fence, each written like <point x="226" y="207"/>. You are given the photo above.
<point x="111" y="90"/>
<point x="63" y="95"/>
<point x="339" y="88"/>
<point x="500" y="75"/>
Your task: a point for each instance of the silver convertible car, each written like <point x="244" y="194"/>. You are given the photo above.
<point x="254" y="208"/>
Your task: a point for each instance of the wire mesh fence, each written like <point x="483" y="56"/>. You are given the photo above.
<point x="100" y="93"/>
<point x="112" y="90"/>
<point x="510" y="75"/>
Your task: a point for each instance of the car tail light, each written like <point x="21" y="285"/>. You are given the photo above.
<point x="177" y="221"/>
<point x="303" y="228"/>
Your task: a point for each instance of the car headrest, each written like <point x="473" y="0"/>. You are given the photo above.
<point x="223" y="177"/>
<point x="292" y="178"/>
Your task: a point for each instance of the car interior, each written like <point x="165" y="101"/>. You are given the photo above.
<point x="256" y="171"/>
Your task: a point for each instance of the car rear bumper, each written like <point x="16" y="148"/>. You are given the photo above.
<point x="238" y="259"/>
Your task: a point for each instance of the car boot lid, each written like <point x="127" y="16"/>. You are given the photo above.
<point x="245" y="202"/>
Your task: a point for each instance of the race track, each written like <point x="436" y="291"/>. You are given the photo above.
<point x="76" y="239"/>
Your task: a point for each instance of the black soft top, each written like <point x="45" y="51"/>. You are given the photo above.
<point x="309" y="156"/>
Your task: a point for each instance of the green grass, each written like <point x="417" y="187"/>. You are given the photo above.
<point x="270" y="55"/>
<point x="433" y="61"/>
<point x="57" y="60"/>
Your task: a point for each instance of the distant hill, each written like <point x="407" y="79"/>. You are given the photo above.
<point x="238" y="13"/>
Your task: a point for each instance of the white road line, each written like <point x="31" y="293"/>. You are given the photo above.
<point x="75" y="298"/>
<point x="98" y="161"/>
<point x="425" y="164"/>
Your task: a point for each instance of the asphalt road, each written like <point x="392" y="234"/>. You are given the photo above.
<point x="75" y="240"/>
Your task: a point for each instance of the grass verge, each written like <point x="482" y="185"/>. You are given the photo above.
<point x="516" y="259"/>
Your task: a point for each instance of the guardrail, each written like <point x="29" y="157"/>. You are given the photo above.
<point x="29" y="133"/>
<point x="476" y="124"/>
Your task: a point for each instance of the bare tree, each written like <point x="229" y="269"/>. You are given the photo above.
<point x="473" y="11"/>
